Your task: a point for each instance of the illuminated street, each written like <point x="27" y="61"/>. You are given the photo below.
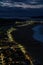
<point x="15" y="49"/>
<point x="13" y="55"/>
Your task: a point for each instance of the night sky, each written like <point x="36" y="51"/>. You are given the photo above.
<point x="20" y="8"/>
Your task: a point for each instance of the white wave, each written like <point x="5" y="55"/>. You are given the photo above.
<point x="20" y="5"/>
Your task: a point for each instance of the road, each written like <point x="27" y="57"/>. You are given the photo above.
<point x="23" y="35"/>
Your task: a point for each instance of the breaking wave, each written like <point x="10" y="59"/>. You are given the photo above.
<point x="19" y="5"/>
